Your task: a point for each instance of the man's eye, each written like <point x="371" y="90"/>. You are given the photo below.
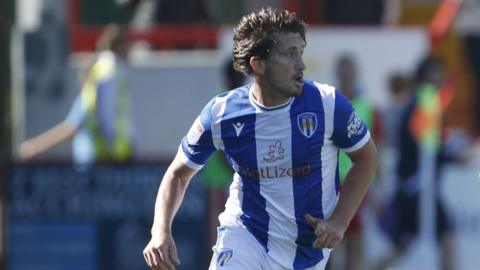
<point x="292" y="54"/>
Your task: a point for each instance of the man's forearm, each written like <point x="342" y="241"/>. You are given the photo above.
<point x="355" y="187"/>
<point x="169" y="197"/>
<point x="46" y="140"/>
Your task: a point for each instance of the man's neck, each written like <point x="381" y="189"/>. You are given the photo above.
<point x="266" y="96"/>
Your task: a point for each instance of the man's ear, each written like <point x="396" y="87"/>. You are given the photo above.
<point x="257" y="64"/>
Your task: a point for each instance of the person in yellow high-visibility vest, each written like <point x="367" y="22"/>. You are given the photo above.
<point x="99" y="118"/>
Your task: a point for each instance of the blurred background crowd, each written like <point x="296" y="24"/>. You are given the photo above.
<point x="124" y="79"/>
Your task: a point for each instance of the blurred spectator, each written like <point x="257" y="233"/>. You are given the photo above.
<point x="468" y="24"/>
<point x="348" y="84"/>
<point x="400" y="90"/>
<point x="401" y="218"/>
<point x="400" y="93"/>
<point x="99" y="117"/>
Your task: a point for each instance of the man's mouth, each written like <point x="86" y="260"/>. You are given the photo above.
<point x="299" y="79"/>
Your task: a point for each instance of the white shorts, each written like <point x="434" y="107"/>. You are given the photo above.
<point x="237" y="249"/>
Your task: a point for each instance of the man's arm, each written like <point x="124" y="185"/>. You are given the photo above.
<point x="160" y="252"/>
<point x="57" y="134"/>
<point x="330" y="232"/>
<point x="46" y="140"/>
<point x="356" y="183"/>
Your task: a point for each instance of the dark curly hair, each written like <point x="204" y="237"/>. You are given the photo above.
<point x="255" y="33"/>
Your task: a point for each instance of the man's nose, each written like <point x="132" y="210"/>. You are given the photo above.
<point x="300" y="64"/>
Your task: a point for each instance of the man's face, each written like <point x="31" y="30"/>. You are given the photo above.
<point x="284" y="66"/>
<point x="346" y="71"/>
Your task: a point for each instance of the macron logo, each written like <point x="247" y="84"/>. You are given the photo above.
<point x="238" y="127"/>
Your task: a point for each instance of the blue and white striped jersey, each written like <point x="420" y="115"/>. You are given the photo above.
<point x="285" y="160"/>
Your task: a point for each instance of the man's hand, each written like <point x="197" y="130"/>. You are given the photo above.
<point x="328" y="233"/>
<point x="161" y="253"/>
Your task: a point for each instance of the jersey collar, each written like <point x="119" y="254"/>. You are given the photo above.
<point x="261" y="107"/>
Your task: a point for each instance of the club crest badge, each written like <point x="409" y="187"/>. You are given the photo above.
<point x="307" y="123"/>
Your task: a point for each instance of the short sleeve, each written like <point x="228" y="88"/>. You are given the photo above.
<point x="197" y="146"/>
<point x="350" y="133"/>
